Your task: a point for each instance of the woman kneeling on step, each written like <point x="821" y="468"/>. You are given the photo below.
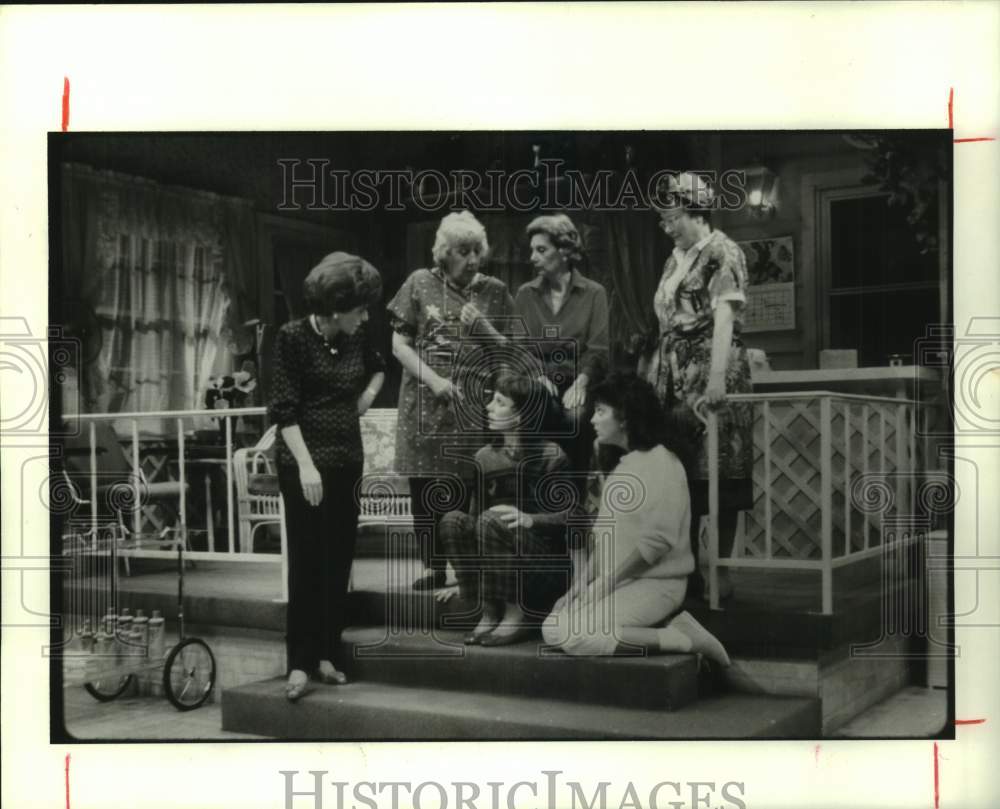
<point x="636" y="575"/>
<point x="510" y="551"/>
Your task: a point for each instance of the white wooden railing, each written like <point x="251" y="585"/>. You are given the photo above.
<point x="378" y="435"/>
<point x="828" y="469"/>
<point x="180" y="418"/>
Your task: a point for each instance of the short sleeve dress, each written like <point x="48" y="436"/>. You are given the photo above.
<point x="685" y="304"/>
<point x="430" y="432"/>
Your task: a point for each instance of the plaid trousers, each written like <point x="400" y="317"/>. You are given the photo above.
<point x="492" y="562"/>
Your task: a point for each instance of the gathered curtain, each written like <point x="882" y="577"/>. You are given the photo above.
<point x="635" y="255"/>
<point x="161" y="278"/>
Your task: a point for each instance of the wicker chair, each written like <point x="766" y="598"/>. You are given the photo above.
<point x="257" y="496"/>
<point x="384" y="495"/>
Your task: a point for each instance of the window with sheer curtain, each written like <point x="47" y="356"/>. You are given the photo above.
<point x="161" y="274"/>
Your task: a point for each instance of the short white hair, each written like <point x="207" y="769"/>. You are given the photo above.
<point x="458" y="228"/>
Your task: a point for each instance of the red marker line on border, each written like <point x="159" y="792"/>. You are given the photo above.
<point x="970" y="721"/>
<point x="67" y="781"/>
<point x="951" y="126"/>
<point x="937" y="793"/>
<point x="65" y="105"/>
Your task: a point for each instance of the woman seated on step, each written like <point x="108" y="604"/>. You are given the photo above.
<point x="517" y="522"/>
<point x="636" y="574"/>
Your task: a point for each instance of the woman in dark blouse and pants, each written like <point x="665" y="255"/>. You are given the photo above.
<point x="326" y="374"/>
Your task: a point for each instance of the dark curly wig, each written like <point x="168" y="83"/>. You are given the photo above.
<point x="646" y="424"/>
<point x="339" y="283"/>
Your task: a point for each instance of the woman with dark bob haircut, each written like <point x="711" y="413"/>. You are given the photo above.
<point x="637" y="572"/>
<point x="326" y="375"/>
<point x="517" y="520"/>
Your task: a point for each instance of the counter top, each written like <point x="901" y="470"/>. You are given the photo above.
<point x="873" y="380"/>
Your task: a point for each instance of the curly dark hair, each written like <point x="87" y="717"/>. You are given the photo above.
<point x="339" y="283"/>
<point x="646" y="424"/>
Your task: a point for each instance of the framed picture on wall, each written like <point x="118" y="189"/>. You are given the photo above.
<point x="771" y="297"/>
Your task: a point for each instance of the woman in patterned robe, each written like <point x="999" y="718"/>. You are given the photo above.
<point x="448" y="322"/>
<point x="700" y="354"/>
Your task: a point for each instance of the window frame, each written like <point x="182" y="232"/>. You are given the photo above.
<point x="818" y="190"/>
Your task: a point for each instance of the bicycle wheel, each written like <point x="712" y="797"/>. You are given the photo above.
<point x="189" y="674"/>
<point x="109" y="688"/>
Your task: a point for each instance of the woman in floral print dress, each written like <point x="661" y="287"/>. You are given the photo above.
<point x="700" y="354"/>
<point x="447" y="321"/>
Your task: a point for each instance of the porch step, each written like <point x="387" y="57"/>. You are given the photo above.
<point x="749" y="627"/>
<point x="438" y="659"/>
<point x="212" y="596"/>
<point x="379" y="711"/>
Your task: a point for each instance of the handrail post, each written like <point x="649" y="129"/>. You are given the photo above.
<point x="768" y="514"/>
<point x="826" y="501"/>
<point x="847" y="478"/>
<point x="137" y="478"/>
<point x="916" y="473"/>
<point x="93" y="481"/>
<point x="901" y="464"/>
<point x="182" y="476"/>
<point x="865" y="416"/>
<point x="229" y="483"/>
<point x="713" y="509"/>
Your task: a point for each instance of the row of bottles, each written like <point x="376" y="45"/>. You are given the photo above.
<point x="126" y="636"/>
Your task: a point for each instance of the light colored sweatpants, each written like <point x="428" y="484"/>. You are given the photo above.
<point x="591" y="626"/>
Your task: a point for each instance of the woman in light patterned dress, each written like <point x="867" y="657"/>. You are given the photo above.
<point x="448" y="322"/>
<point x="700" y="355"/>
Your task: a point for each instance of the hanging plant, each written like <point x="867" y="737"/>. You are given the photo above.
<point x="909" y="167"/>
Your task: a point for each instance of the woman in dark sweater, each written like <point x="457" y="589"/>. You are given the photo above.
<point x="326" y="374"/>
<point x="512" y="552"/>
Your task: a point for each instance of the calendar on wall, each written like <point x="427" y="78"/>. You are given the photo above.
<point x="771" y="296"/>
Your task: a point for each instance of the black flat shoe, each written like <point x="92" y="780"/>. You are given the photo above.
<point x="431" y="581"/>
<point x="520" y="634"/>
<point x="475" y="638"/>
